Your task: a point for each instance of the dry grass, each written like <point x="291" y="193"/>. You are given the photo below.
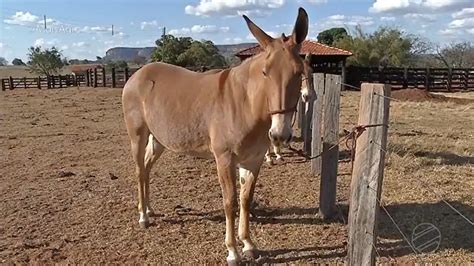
<point x="88" y="217"/>
<point x="430" y="158"/>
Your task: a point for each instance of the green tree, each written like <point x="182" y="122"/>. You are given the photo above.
<point x="186" y="52"/>
<point x="332" y="35"/>
<point x="385" y="47"/>
<point x="44" y="62"/>
<point x="18" y="62"/>
<point x="3" y="61"/>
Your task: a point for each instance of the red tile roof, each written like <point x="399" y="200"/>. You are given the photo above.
<point x="307" y="46"/>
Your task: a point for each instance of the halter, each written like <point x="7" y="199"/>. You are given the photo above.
<point x="284" y="111"/>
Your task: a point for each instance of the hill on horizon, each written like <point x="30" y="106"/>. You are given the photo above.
<point x="129" y="53"/>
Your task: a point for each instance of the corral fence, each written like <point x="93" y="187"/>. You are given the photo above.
<point x="431" y="79"/>
<point x="97" y="77"/>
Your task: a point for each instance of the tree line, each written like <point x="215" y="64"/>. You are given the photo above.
<point x="387" y="46"/>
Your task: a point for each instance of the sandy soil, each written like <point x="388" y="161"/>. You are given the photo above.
<point x="68" y="195"/>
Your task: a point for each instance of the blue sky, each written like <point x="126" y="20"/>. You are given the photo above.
<point x="82" y="28"/>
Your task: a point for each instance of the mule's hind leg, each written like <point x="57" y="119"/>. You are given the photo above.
<point x="138" y="139"/>
<point x="154" y="149"/>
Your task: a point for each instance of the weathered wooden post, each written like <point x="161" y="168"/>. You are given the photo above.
<point x="38" y="83"/>
<point x="450" y="78"/>
<point x="60" y="81"/>
<point x="329" y="160"/>
<point x="24" y="82"/>
<point x="126" y="74"/>
<point x="104" y="78"/>
<point x="316" y="144"/>
<point x="95" y="77"/>
<point x="53" y="82"/>
<point x="300" y="115"/>
<point x="3" y="85"/>
<point x="308" y="115"/>
<point x="405" y="77"/>
<point x="10" y="80"/>
<point x="113" y="78"/>
<point x="87" y="78"/>
<point x="367" y="176"/>
<point x="427" y="79"/>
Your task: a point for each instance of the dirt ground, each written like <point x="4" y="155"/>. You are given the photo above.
<point x="67" y="191"/>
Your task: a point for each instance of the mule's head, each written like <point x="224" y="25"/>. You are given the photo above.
<point x="280" y="75"/>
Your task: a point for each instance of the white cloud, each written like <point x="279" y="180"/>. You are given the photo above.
<point x="39" y="42"/>
<point x="148" y="24"/>
<point x="317" y="2"/>
<point x="342" y="20"/>
<point x="45" y="43"/>
<point x="420" y="17"/>
<point x="22" y="18"/>
<point x="418" y="6"/>
<point x="462" y="23"/>
<point x="387" y="18"/>
<point x="273" y="34"/>
<point x="233" y="7"/>
<point x="389" y="5"/>
<point x="464" y="13"/>
<point x="232" y="40"/>
<point x="199" y="29"/>
<point x="80" y="44"/>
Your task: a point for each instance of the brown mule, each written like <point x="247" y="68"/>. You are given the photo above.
<point x="227" y="115"/>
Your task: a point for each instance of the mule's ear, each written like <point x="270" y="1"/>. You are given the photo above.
<point x="262" y="38"/>
<point x="301" y="26"/>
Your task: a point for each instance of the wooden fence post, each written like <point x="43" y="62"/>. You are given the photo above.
<point x="316" y="145"/>
<point x="307" y="147"/>
<point x="24" y="82"/>
<point x="300" y="113"/>
<point x="126" y="74"/>
<point x="87" y="79"/>
<point x="95" y="77"/>
<point x="367" y="176"/>
<point x="10" y="80"/>
<point x="3" y="85"/>
<point x="113" y="78"/>
<point x="60" y="81"/>
<point x="329" y="160"/>
<point x="104" y="78"/>
<point x="405" y="78"/>
<point x="427" y="79"/>
<point x="39" y="83"/>
<point x="450" y="79"/>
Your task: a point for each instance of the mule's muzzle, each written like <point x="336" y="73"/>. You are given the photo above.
<point x="279" y="138"/>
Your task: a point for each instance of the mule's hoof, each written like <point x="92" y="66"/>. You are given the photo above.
<point x="144" y="224"/>
<point x="280" y="159"/>
<point x="251" y="254"/>
<point x="233" y="262"/>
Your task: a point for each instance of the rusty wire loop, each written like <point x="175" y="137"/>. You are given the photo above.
<point x="352" y="135"/>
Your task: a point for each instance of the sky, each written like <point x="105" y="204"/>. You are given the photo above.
<point x="83" y="28"/>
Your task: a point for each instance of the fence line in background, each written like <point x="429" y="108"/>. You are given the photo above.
<point x="432" y="79"/>
<point x="115" y="78"/>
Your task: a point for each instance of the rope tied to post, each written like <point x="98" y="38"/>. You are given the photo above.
<point x="351" y="136"/>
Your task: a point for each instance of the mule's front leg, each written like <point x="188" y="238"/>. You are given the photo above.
<point x="248" y="177"/>
<point x="226" y="172"/>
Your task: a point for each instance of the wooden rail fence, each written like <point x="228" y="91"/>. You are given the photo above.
<point x="432" y="79"/>
<point x="98" y="77"/>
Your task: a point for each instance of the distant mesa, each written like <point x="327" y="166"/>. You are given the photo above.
<point x="130" y="53"/>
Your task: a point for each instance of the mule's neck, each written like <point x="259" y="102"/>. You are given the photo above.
<point x="246" y="80"/>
